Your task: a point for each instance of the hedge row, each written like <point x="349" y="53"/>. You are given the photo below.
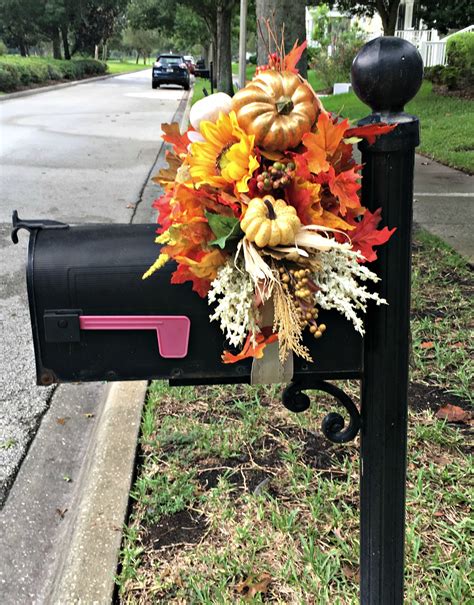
<point x="24" y="72"/>
<point x="459" y="72"/>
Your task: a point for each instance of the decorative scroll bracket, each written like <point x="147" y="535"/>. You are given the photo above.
<point x="333" y="425"/>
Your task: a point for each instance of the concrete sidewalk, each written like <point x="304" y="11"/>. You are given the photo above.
<point x="444" y="204"/>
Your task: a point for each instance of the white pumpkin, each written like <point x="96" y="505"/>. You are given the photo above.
<point x="208" y="108"/>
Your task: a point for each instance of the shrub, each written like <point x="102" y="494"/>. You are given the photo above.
<point x="91" y="67"/>
<point x="54" y="73"/>
<point x="460" y="56"/>
<point x="3" y="48"/>
<point x="460" y="50"/>
<point x="434" y="74"/>
<point x="20" y="72"/>
<point x="252" y="59"/>
<point x="8" y="80"/>
<point x="451" y="77"/>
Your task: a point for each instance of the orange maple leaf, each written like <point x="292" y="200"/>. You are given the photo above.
<point x="328" y="219"/>
<point x="167" y="174"/>
<point x="343" y="186"/>
<point x="206" y="266"/>
<point x="291" y="59"/>
<point x="304" y="196"/>
<point x="322" y="144"/>
<point x="173" y="135"/>
<point x="249" y="349"/>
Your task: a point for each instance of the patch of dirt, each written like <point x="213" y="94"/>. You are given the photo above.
<point x="184" y="526"/>
<point x="318" y="452"/>
<point x="466" y="92"/>
<point x="247" y="471"/>
<point x="423" y="397"/>
<point x="428" y="311"/>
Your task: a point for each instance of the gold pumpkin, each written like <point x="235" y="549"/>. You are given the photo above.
<point x="270" y="222"/>
<point x="278" y="107"/>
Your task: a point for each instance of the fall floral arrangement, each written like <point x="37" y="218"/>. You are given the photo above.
<point x="261" y="212"/>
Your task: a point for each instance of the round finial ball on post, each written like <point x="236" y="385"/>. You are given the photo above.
<point x="386" y="73"/>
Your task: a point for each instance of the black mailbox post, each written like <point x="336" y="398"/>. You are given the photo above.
<point x="94" y="319"/>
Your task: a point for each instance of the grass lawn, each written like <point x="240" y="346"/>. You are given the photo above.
<point x="238" y="498"/>
<point x="120" y="67"/>
<point x="447" y="126"/>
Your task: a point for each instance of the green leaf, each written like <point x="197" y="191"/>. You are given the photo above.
<point x="223" y="227"/>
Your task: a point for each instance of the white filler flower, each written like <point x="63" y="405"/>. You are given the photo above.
<point x="233" y="291"/>
<point x="339" y="288"/>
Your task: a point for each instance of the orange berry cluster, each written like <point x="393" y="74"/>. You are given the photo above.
<point x="299" y="283"/>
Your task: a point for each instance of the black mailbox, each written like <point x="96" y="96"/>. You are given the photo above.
<point x="94" y="318"/>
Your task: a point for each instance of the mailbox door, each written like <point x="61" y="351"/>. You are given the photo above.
<point x="94" y="271"/>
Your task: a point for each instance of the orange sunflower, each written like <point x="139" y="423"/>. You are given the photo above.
<point x="225" y="156"/>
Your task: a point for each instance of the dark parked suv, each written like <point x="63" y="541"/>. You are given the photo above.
<point x="170" y="69"/>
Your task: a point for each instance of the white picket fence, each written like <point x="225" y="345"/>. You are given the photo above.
<point x="433" y="52"/>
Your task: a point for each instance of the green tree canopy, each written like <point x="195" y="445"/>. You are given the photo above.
<point x="445" y="15"/>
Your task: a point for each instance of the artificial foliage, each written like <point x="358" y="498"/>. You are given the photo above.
<point x="261" y="213"/>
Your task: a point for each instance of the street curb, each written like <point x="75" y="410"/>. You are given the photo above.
<point x="34" y="91"/>
<point x="90" y="558"/>
<point x="185" y="119"/>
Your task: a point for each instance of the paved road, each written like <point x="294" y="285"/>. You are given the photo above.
<point x="79" y="154"/>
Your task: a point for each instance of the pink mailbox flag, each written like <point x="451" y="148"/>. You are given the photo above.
<point x="172" y="330"/>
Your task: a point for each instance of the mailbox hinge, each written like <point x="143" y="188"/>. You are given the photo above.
<point x="62" y="325"/>
<point x="33" y="225"/>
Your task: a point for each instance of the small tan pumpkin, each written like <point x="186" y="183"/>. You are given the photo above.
<point x="270" y="222"/>
<point x="278" y="107"/>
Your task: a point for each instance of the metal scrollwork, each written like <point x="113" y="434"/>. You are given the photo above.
<point x="333" y="425"/>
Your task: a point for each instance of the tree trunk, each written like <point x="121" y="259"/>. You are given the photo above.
<point x="23" y="49"/>
<point x="281" y="12"/>
<point x="67" y="52"/>
<point x="388" y="16"/>
<point x="224" y="52"/>
<point x="138" y="57"/>
<point x="56" y="44"/>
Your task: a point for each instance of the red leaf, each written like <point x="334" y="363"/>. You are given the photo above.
<point x="173" y="135"/>
<point x="184" y="274"/>
<point x="162" y="204"/>
<point x="366" y="235"/>
<point x="291" y="59"/>
<point x="369" y="131"/>
<point x="452" y="413"/>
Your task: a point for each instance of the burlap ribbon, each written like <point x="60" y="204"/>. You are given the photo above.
<point x="269" y="369"/>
